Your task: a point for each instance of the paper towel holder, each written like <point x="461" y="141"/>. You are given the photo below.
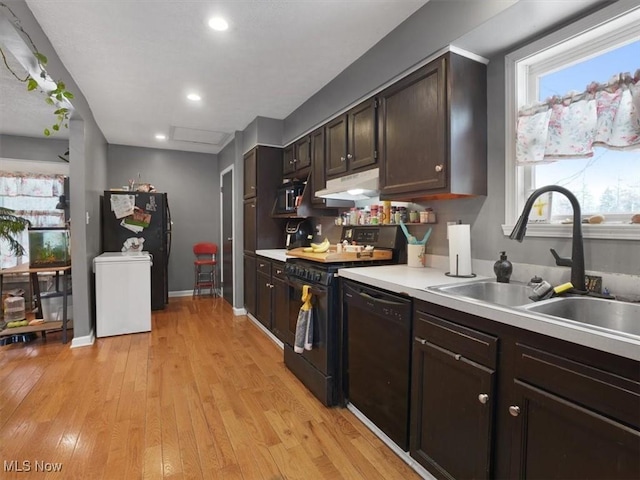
<point x="449" y="274"/>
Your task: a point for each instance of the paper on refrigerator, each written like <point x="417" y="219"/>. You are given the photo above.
<point x="122" y="205"/>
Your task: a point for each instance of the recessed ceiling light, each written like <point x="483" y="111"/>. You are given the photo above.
<point x="194" y="97"/>
<point x="161" y="136"/>
<point x="219" y="24"/>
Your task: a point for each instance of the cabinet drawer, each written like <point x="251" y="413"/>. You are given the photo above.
<point x="277" y="270"/>
<point x="471" y="344"/>
<point x="263" y="266"/>
<point x="597" y="389"/>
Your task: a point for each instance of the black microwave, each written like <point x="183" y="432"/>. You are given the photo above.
<point x="288" y="197"/>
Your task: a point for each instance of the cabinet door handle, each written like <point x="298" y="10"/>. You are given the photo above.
<point x="421" y="340"/>
<point x="295" y="160"/>
<point x="349" y="156"/>
<point x="253" y="205"/>
<point x="457" y="356"/>
<point x="278" y="272"/>
<point x="439" y="168"/>
<point x="342" y="159"/>
<point x="261" y="265"/>
<point x="483" y="398"/>
<point x="229" y="239"/>
<point x="253" y="187"/>
<point x="514" y="410"/>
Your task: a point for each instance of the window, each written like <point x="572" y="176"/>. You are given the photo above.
<point x="576" y="68"/>
<point x="34" y="197"/>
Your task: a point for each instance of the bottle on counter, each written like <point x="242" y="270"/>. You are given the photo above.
<point x="374" y="215"/>
<point x="503" y="268"/>
<point x="386" y="215"/>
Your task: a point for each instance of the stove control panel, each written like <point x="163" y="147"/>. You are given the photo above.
<point x="380" y="236"/>
<point x="308" y="273"/>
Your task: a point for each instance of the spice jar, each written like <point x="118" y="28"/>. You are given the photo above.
<point x="374" y="215"/>
<point x="413" y="216"/>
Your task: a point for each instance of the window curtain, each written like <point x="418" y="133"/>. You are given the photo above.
<point x="34" y="197"/>
<point x="570" y="126"/>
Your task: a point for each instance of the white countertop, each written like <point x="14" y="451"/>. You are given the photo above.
<point x="414" y="282"/>
<point x="279" y="254"/>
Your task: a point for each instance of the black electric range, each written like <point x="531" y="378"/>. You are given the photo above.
<point x="320" y="369"/>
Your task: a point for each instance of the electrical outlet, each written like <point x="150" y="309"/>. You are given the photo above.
<point x="594" y="283"/>
<point x="319" y="229"/>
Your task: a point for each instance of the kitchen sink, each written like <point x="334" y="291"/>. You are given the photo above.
<point x="507" y="294"/>
<point x="621" y="317"/>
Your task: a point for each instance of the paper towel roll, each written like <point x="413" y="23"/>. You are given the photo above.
<point x="459" y="250"/>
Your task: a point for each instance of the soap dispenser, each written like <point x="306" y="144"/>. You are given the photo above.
<point x="503" y="268"/>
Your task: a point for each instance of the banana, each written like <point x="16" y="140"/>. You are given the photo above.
<point x="307" y="249"/>
<point x="322" y="247"/>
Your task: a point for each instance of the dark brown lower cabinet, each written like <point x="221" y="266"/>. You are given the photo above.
<point x="453" y="399"/>
<point x="250" y="283"/>
<point x="555" y="438"/>
<point x="572" y="420"/>
<point x="280" y="321"/>
<point x="263" y="291"/>
<point x="272" y="304"/>
<point x="491" y="400"/>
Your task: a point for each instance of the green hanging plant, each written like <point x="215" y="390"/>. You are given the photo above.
<point x="56" y="97"/>
<point x="11" y="225"/>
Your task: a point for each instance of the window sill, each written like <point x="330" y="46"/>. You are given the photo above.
<point x="611" y="231"/>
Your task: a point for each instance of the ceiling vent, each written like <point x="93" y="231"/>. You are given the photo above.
<point x="194" y="135"/>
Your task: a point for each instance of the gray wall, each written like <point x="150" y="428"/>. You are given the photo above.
<point x="432" y="27"/>
<point x="88" y="155"/>
<point x="28" y="148"/>
<point x="87" y="147"/>
<point x="192" y="183"/>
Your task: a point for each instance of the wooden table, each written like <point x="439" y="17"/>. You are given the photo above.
<point x="33" y="274"/>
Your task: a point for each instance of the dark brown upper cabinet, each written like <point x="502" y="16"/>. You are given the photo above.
<point x="250" y="174"/>
<point x="351" y="140"/>
<point x="296" y="161"/>
<point x="260" y="229"/>
<point x="432" y="128"/>
<point x="318" y="179"/>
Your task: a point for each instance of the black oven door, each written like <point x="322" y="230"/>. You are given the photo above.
<point x="318" y="355"/>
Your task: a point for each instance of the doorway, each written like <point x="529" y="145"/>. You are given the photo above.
<point x="226" y="207"/>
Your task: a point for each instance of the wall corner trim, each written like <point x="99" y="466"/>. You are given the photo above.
<point x="85" y="341"/>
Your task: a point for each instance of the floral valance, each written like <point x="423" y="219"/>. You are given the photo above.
<point x="30" y="185"/>
<point x="570" y="126"/>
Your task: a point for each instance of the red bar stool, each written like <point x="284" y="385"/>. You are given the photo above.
<point x="205" y="267"/>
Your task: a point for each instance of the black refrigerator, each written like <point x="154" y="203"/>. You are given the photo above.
<point x="141" y="221"/>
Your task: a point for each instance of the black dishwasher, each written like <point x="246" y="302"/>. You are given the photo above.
<point x="377" y="357"/>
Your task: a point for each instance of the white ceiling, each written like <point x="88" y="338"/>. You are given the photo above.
<point x="23" y="113"/>
<point x="135" y="61"/>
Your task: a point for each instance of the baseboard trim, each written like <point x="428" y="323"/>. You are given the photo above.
<point x="266" y="331"/>
<point x="85" y="341"/>
<point x="181" y="293"/>
<point x="239" y="311"/>
<point x="404" y="456"/>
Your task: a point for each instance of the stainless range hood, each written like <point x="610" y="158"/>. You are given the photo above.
<point x="358" y="186"/>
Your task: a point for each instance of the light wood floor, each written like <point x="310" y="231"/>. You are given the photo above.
<point x="204" y="395"/>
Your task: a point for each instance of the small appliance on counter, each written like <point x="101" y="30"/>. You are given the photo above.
<point x="299" y="233"/>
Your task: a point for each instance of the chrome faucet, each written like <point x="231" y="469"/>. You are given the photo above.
<point x="576" y="262"/>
